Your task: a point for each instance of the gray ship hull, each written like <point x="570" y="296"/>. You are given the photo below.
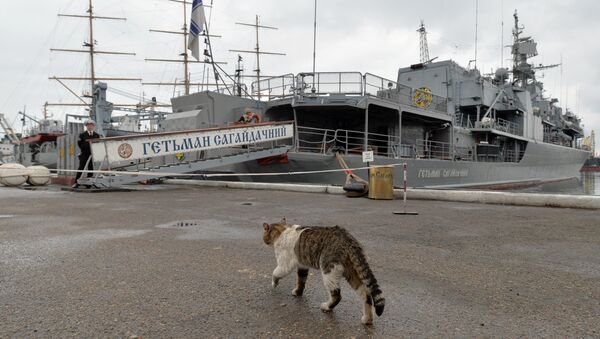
<point x="542" y="162"/>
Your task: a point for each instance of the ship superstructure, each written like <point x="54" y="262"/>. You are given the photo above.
<point x="454" y="126"/>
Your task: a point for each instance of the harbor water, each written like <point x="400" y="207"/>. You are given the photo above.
<point x="587" y="184"/>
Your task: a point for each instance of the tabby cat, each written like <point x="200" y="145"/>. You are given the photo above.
<point x="333" y="251"/>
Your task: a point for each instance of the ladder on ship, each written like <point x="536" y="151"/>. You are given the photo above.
<point x="247" y="148"/>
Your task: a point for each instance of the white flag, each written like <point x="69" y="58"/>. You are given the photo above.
<point x="196" y="26"/>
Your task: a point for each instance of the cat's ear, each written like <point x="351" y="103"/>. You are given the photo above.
<point x="266" y="226"/>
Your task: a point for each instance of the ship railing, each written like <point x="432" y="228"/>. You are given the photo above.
<point x="512" y="156"/>
<point x="462" y="153"/>
<point x="273" y="88"/>
<point x="329" y="141"/>
<point x="346" y="83"/>
<point x="502" y="125"/>
<point x="428" y="149"/>
<point x="327" y="83"/>
<point x="464" y="120"/>
<point x="348" y="142"/>
<point x="509" y="127"/>
<point x="404" y="151"/>
<point x="392" y="91"/>
<point x="353" y="142"/>
<point x="314" y="140"/>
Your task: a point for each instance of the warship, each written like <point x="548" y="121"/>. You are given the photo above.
<point x="37" y="145"/>
<point x="453" y="126"/>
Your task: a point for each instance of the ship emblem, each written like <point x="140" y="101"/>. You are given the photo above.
<point x="422" y="97"/>
<point x="125" y="150"/>
<point x="180" y="156"/>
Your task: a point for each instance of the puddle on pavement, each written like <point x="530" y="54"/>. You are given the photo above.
<point x="211" y="229"/>
<point x="25" y="253"/>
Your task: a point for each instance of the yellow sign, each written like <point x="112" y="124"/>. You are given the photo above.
<point x="422" y="97"/>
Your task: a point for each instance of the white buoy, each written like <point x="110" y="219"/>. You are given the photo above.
<point x="38" y="175"/>
<point x="13" y="174"/>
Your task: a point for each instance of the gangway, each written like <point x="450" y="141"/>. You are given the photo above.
<point x="244" y="142"/>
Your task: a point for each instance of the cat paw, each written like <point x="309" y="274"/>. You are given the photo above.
<point x="366" y="320"/>
<point x="325" y="307"/>
<point x="297" y="292"/>
<point x="275" y="282"/>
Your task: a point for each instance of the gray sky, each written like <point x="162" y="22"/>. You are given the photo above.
<point x="377" y="36"/>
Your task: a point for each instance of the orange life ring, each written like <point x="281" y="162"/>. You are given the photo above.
<point x="249" y="118"/>
<point x="256" y="118"/>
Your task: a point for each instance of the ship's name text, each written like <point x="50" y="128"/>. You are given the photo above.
<point x="443" y="173"/>
<point x="187" y="144"/>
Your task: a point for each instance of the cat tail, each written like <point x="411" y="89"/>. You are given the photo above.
<point x="361" y="266"/>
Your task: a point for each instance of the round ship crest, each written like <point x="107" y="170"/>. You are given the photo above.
<point x="422" y="97"/>
<point x="125" y="150"/>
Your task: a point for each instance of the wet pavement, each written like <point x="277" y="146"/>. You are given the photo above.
<point x="189" y="262"/>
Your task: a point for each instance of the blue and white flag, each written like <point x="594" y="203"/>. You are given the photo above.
<point x="196" y="26"/>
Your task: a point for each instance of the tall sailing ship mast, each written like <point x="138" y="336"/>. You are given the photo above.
<point x="257" y="51"/>
<point x="90" y="49"/>
<point x="208" y="55"/>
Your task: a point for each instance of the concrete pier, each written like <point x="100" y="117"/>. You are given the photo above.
<point x="485" y="197"/>
<point x="184" y="261"/>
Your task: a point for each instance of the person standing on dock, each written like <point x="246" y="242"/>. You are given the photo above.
<point x="86" y="150"/>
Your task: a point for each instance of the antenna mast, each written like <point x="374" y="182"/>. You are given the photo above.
<point x="314" y="46"/>
<point x="476" y="28"/>
<point x="423" y="47"/>
<point x="502" y="34"/>
<point x="257" y="50"/>
<point x="238" y="76"/>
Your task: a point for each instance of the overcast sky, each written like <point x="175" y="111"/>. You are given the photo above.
<point x="377" y="36"/>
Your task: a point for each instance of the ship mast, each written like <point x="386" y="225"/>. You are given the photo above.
<point x="238" y="76"/>
<point x="45" y="110"/>
<point x="423" y="46"/>
<point x="524" y="48"/>
<point x="186" y="59"/>
<point x="91" y="51"/>
<point x="256" y="50"/>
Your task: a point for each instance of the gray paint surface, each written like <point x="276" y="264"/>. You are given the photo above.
<point x="117" y="265"/>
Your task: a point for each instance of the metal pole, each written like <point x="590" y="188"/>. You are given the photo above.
<point x="314" y="45"/>
<point x="404" y="194"/>
<point x="257" y="61"/>
<point x="476" y="28"/>
<point x="186" y="81"/>
<point x="93" y="72"/>
<point x="404" y="212"/>
<point x="366" y="141"/>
